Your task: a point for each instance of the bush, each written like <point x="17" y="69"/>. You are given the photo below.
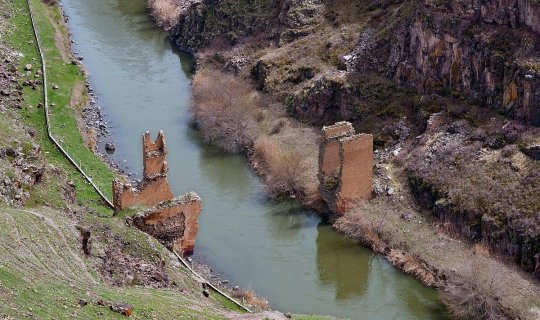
<point x="285" y="171"/>
<point x="367" y="231"/>
<point x="224" y="109"/>
<point x="473" y="298"/>
<point x="249" y="297"/>
<point x="278" y="126"/>
<point x="165" y="12"/>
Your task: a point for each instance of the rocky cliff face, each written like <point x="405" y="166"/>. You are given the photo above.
<point x="388" y="66"/>
<point x="485" y="51"/>
<point x="222" y="22"/>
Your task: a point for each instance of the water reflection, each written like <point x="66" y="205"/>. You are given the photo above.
<point x="341" y="264"/>
<point x="286" y="219"/>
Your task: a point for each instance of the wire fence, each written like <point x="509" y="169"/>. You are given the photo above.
<point x="79" y="165"/>
<point x="63" y="149"/>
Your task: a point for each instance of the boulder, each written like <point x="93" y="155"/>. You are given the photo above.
<point x="532" y="151"/>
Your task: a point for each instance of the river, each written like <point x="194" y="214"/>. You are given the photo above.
<point x="285" y="253"/>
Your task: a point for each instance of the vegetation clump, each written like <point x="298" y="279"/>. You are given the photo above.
<point x="285" y="171"/>
<point x="224" y="110"/>
<point x="166" y="13"/>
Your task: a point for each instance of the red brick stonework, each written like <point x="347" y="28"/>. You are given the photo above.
<point x="345" y="167"/>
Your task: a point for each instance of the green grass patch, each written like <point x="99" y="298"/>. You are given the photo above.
<point x="63" y="116"/>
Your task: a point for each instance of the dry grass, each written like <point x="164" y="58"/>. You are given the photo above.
<point x="482" y="248"/>
<point x="412" y="264"/>
<point x="165" y="12"/>
<point x="249" y="297"/>
<point x="224" y="109"/>
<point x="474" y="297"/>
<point x="375" y="233"/>
<point x="285" y="171"/>
<point x="369" y="231"/>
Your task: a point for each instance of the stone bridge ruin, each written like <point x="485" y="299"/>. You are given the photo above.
<point x="345" y="167"/>
<point x="173" y="221"/>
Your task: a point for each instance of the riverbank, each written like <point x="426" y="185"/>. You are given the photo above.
<point x="394" y="222"/>
<point x="63" y="254"/>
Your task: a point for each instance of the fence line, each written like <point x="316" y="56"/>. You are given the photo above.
<point x="184" y="262"/>
<point x="79" y="166"/>
<point x="46" y="109"/>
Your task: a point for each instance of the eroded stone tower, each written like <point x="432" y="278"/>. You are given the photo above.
<point x="154" y="187"/>
<point x="173" y="221"/>
<point x="345" y="166"/>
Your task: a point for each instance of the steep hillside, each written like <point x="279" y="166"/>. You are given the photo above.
<point x="63" y="253"/>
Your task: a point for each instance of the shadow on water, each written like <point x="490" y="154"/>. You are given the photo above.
<point x="337" y="260"/>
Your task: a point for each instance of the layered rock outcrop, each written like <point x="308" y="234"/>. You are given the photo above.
<point x="486" y="52"/>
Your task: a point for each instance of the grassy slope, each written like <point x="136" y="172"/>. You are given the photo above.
<point x="63" y="120"/>
<point x="43" y="271"/>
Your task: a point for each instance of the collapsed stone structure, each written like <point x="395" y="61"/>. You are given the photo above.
<point x="173" y="221"/>
<point x="345" y="166"/>
<point x="155" y="187"/>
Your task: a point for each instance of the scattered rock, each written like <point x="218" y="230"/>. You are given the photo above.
<point x="55" y="87"/>
<point x="532" y="151"/>
<point x="110" y="147"/>
<point x="122" y="308"/>
<point x="28" y="67"/>
<point x="407" y="216"/>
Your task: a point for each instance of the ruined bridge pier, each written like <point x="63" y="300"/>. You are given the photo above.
<point x="173" y="221"/>
<point x="345" y="167"/>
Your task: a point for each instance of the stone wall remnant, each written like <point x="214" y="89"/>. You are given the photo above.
<point x="345" y="166"/>
<point x="174" y="223"/>
<point x="154" y="187"/>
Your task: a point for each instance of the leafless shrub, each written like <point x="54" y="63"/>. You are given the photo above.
<point x="412" y="264"/>
<point x="249" y="297"/>
<point x="508" y="151"/>
<point x="285" y="171"/>
<point x="165" y="12"/>
<point x="482" y="248"/>
<point x="259" y="116"/>
<point x="224" y="109"/>
<point x="278" y="126"/>
<point x="473" y="298"/>
<point x="360" y="228"/>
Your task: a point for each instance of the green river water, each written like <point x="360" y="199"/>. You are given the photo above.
<point x="285" y="253"/>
